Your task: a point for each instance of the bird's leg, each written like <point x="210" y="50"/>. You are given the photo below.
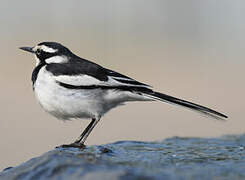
<point x="87" y="131"/>
<point x="79" y="143"/>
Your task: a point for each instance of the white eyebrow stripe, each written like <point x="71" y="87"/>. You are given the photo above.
<point x="48" y="49"/>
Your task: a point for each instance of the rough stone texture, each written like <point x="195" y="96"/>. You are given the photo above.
<point x="174" y="158"/>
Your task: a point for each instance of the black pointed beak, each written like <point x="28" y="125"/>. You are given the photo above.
<point x="28" y="49"/>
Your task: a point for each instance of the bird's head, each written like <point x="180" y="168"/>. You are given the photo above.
<point x="49" y="52"/>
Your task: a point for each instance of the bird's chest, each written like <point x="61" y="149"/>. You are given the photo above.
<point x="47" y="91"/>
<point x="61" y="102"/>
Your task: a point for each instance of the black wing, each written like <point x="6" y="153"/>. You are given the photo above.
<point x="124" y="79"/>
<point x="78" y="67"/>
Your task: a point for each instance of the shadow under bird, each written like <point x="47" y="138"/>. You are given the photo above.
<point x="68" y="86"/>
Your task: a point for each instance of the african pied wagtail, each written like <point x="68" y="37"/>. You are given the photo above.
<point x="68" y="86"/>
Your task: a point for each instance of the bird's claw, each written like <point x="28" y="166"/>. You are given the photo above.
<point x="72" y="145"/>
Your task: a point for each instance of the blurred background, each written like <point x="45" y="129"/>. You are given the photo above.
<point x="191" y="49"/>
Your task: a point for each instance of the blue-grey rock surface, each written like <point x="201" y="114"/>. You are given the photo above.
<point x="173" y="158"/>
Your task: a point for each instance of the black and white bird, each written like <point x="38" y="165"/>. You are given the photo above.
<point x="68" y="86"/>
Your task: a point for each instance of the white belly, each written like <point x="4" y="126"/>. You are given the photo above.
<point x="66" y="103"/>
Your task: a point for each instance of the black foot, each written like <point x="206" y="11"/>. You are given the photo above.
<point x="72" y="145"/>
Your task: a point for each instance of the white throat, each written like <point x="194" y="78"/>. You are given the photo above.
<point x="37" y="60"/>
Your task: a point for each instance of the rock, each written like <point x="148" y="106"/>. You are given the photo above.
<point x="174" y="158"/>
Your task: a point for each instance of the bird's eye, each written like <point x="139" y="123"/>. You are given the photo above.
<point x="38" y="51"/>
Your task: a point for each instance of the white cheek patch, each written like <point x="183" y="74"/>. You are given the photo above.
<point x="56" y="59"/>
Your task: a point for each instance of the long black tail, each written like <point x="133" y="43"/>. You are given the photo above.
<point x="196" y="107"/>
